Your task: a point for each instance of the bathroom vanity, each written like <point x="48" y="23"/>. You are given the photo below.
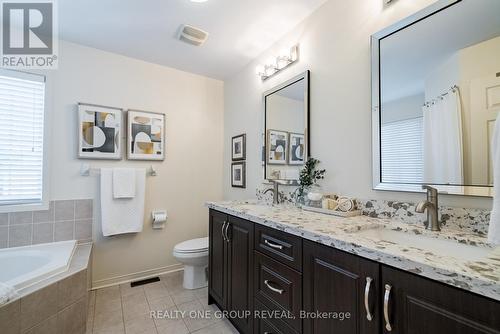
<point x="322" y="274"/>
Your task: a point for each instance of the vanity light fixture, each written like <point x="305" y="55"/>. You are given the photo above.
<point x="276" y="64"/>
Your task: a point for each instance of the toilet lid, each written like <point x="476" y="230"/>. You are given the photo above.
<point x="192" y="246"/>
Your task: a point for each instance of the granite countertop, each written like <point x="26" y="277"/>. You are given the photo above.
<point x="476" y="274"/>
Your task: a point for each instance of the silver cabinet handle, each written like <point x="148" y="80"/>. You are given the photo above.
<point x="369" y="315"/>
<point x="387" y="296"/>
<point x="272" y="245"/>
<point x="222" y="230"/>
<point x="280" y="291"/>
<point x="227" y="237"/>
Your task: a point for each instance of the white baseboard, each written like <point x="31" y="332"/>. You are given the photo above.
<point x="103" y="283"/>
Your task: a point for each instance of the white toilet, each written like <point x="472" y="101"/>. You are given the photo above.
<point x="194" y="255"/>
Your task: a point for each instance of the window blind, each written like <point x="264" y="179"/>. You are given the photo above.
<point x="402" y="151"/>
<point x="21" y="137"/>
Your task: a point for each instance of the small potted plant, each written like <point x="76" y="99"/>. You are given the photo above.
<point x="309" y="177"/>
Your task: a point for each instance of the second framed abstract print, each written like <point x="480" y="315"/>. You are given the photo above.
<point x="145" y="135"/>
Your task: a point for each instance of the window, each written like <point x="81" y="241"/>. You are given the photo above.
<point x="22" y="104"/>
<point x="402" y="151"/>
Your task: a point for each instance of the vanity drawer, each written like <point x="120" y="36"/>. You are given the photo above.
<point x="269" y="323"/>
<point x="279" y="245"/>
<point x="278" y="287"/>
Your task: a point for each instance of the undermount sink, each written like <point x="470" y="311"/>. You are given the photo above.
<point x="434" y="245"/>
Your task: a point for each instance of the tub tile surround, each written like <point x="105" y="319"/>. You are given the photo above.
<point x="64" y="220"/>
<point x="56" y="305"/>
<point x="482" y="277"/>
<point x="468" y="220"/>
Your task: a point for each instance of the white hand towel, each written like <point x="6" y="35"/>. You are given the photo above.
<point x="122" y="215"/>
<point x="124" y="182"/>
<point x="494" y="228"/>
<point x="7" y="293"/>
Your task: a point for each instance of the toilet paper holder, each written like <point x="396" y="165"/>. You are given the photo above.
<point x="159" y="218"/>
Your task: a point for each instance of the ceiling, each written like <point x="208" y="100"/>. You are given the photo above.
<point x="239" y="30"/>
<point x="408" y="56"/>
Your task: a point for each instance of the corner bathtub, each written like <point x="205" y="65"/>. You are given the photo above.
<point x="24" y="266"/>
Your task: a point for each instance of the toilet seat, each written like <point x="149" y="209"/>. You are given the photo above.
<point x="199" y="245"/>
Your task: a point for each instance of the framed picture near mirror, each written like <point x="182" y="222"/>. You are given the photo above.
<point x="296" y="149"/>
<point x="238" y="151"/>
<point x="435" y="98"/>
<point x="145" y="135"/>
<point x="277" y="152"/>
<point x="238" y="174"/>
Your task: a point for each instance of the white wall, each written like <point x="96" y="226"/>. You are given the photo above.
<point x="190" y="174"/>
<point x="335" y="46"/>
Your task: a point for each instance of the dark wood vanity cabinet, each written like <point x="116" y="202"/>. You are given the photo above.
<point x="342" y="289"/>
<point x="231" y="266"/>
<point x="413" y="305"/>
<point x="217" y="260"/>
<point x="256" y="268"/>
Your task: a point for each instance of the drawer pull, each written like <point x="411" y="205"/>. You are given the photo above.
<point x="272" y="245"/>
<point x="280" y="291"/>
<point x="387" y="297"/>
<point x="369" y="315"/>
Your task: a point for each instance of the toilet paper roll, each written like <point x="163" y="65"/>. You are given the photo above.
<point x="159" y="219"/>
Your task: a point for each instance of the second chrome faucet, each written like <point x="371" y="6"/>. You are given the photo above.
<point x="431" y="205"/>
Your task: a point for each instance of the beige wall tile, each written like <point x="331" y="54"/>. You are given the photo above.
<point x="64" y="230"/>
<point x="48" y="326"/>
<point x="44" y="216"/>
<point x="38" y="306"/>
<point x="72" y="289"/>
<point x="20" y="235"/>
<point x="16" y="218"/>
<point x="43" y="233"/>
<point x="73" y="319"/>
<point x="4" y="236"/>
<point x="64" y="210"/>
<point x="10" y="316"/>
<point x="4" y="219"/>
<point x="83" y="209"/>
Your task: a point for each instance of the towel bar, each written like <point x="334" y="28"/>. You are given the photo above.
<point x="86" y="170"/>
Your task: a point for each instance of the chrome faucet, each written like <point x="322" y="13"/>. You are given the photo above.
<point x="276" y="193"/>
<point x="431" y="204"/>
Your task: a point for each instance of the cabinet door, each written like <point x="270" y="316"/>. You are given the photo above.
<point x="418" y="305"/>
<point x="217" y="265"/>
<point x="240" y="234"/>
<point x="335" y="282"/>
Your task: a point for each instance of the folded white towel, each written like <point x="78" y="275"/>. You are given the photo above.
<point x="123" y="182"/>
<point x="7" y="293"/>
<point x="494" y="228"/>
<point x="122" y="215"/>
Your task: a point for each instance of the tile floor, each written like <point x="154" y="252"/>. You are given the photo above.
<point x="126" y="310"/>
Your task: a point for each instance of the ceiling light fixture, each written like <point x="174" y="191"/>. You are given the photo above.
<point x="285" y="58"/>
<point x="199" y="1"/>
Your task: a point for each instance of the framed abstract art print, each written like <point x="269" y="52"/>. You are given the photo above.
<point x="145" y="135"/>
<point x="99" y="132"/>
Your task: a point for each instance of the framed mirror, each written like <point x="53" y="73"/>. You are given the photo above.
<point x="436" y="97"/>
<point x="286" y="124"/>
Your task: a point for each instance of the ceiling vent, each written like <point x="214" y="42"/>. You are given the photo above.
<point x="192" y="35"/>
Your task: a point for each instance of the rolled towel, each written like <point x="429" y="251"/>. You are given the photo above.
<point x="494" y="228"/>
<point x="7" y="293"/>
